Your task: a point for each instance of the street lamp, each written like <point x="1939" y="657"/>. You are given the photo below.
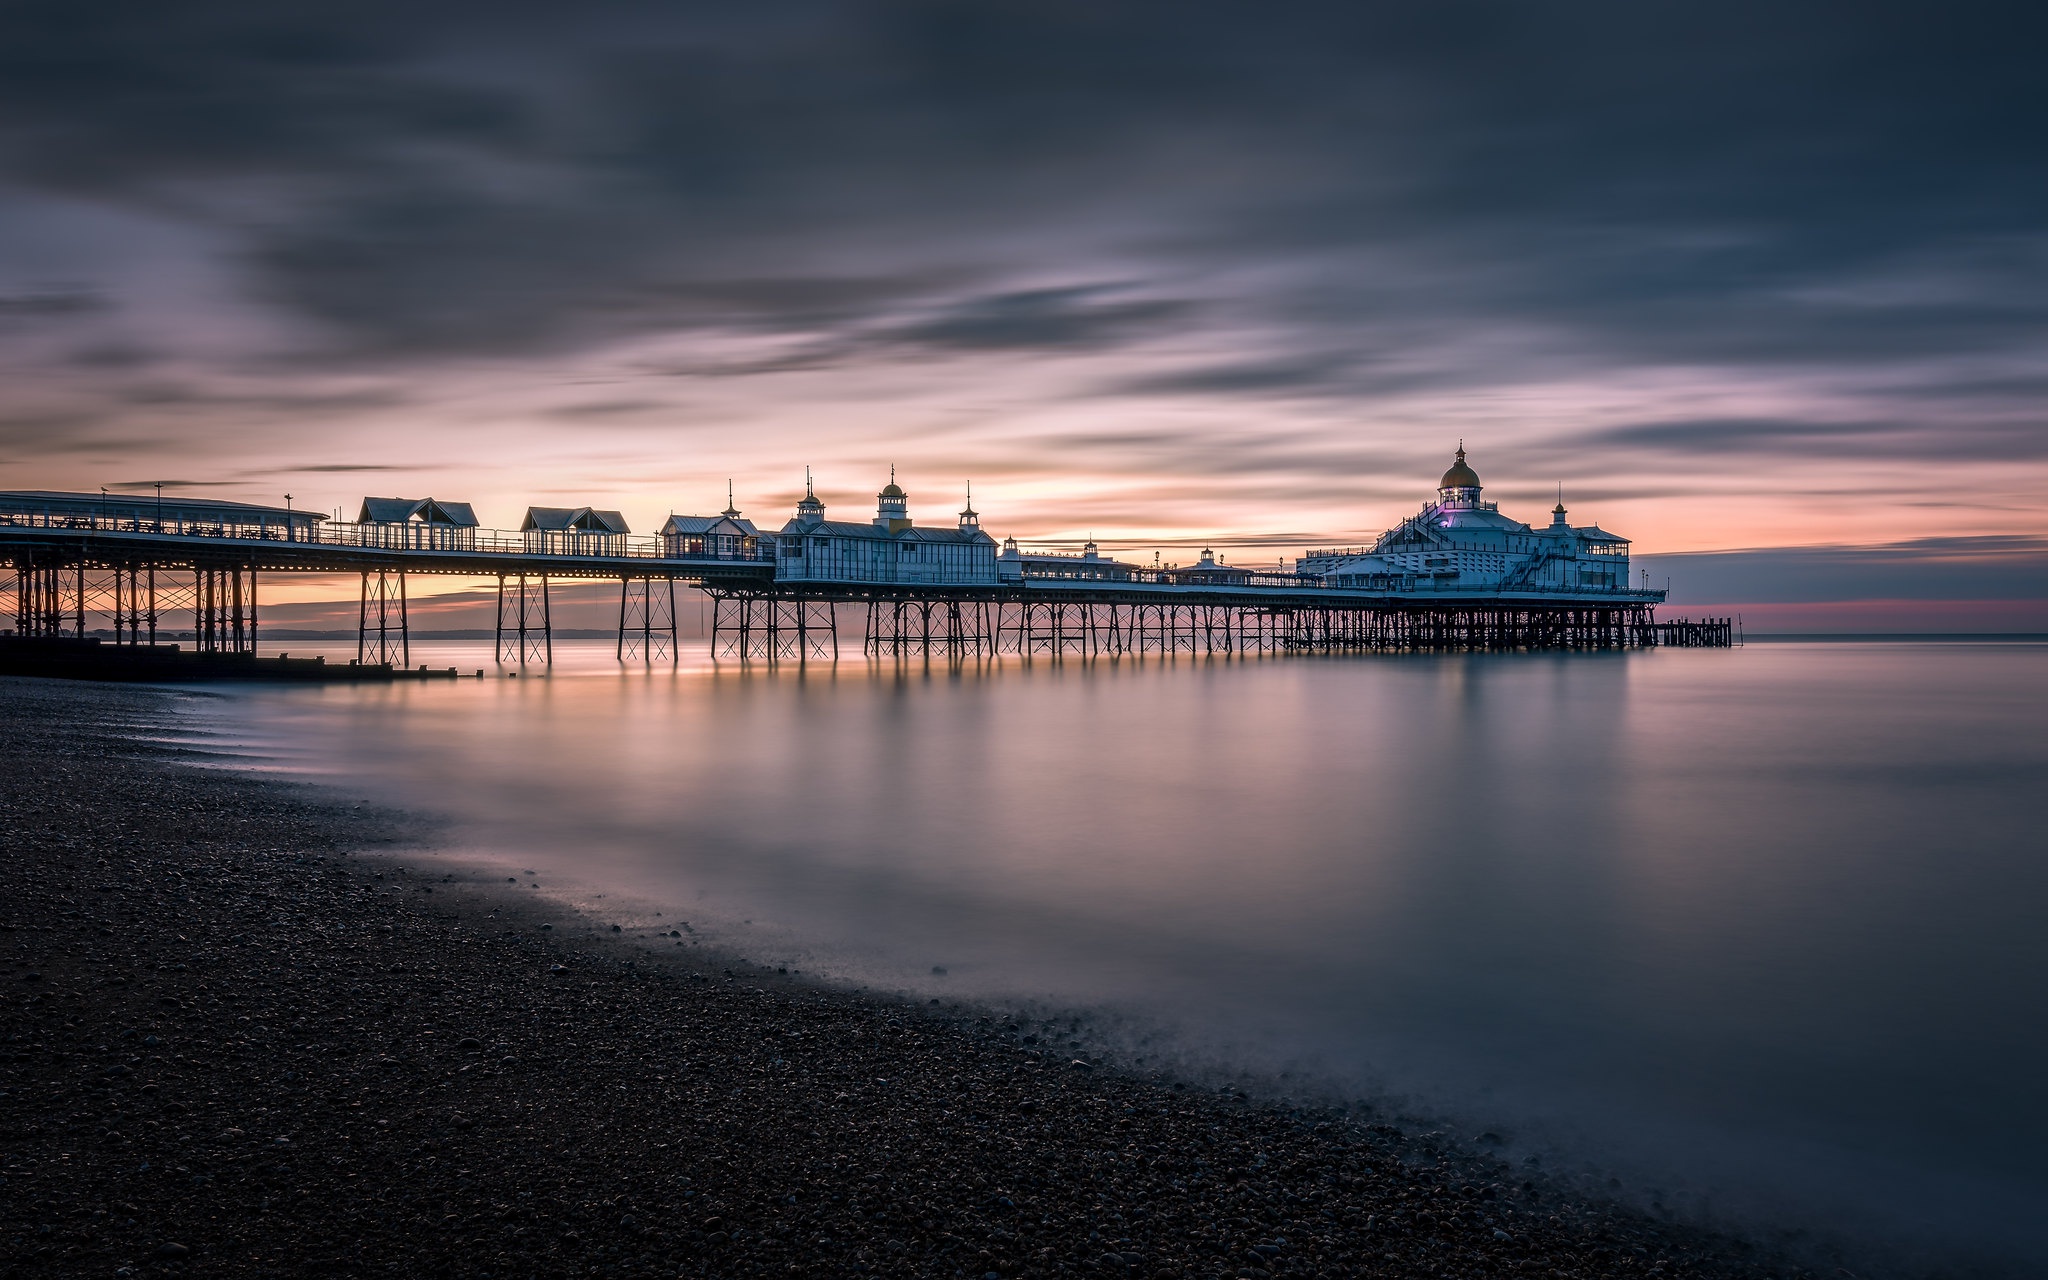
<point x="288" y="535"/>
<point x="159" y="506"/>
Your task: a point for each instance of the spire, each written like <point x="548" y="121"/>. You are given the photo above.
<point x="809" y="510"/>
<point x="731" y="512"/>
<point x="969" y="517"/>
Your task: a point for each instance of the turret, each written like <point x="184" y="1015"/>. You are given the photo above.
<point x="892" y="506"/>
<point x="970" y="519"/>
<point x="809" y="510"/>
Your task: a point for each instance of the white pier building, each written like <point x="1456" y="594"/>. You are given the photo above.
<point x="1462" y="545"/>
<point x="890" y="549"/>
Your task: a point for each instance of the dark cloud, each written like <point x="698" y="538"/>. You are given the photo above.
<point x="138" y="486"/>
<point x="1942" y="568"/>
<point x="1351" y="201"/>
<point x="608" y="409"/>
<point x="1039" y="320"/>
<point x="345" y="467"/>
<point x="51" y="304"/>
<point x="1928" y="440"/>
<point x="1332" y="375"/>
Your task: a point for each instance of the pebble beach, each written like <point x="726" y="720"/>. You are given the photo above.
<point x="250" y="1031"/>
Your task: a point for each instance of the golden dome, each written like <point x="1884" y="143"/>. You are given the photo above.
<point x="1459" y="476"/>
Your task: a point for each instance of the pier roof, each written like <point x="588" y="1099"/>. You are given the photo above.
<point x="427" y="510"/>
<point x="585" y="519"/>
<point x="126" y="505"/>
<point x="705" y="524"/>
<point x="869" y="529"/>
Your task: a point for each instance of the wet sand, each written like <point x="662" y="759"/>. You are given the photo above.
<point x="244" y="1035"/>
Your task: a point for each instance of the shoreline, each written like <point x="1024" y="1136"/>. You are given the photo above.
<point x="252" y="1036"/>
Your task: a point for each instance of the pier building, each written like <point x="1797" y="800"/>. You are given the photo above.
<point x="574" y="531"/>
<point x="1091" y="565"/>
<point x="892" y="548"/>
<point x="1208" y="572"/>
<point x="418" y="524"/>
<point x="157" y="513"/>
<point x="725" y="536"/>
<point x="1463" y="545"/>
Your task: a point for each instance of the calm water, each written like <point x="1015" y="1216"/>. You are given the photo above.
<point x="1759" y="933"/>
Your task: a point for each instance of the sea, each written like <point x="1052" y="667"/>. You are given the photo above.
<point x="1753" y="937"/>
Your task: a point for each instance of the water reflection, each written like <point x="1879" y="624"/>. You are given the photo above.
<point x="1761" y="923"/>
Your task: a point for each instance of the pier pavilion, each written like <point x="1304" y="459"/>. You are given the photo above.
<point x="891" y="549"/>
<point x="418" y="524"/>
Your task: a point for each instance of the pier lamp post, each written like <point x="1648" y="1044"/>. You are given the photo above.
<point x="289" y="536"/>
<point x="103" y="504"/>
<point x="159" y="506"/>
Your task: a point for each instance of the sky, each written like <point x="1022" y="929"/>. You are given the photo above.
<point x="1763" y="287"/>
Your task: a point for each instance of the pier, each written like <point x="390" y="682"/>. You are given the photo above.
<point x="120" y="566"/>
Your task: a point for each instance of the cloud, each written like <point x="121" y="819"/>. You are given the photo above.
<point x="1039" y="320"/>
<point x="1991" y="567"/>
<point x="1306" y="375"/>
<point x="1781" y="437"/>
<point x="1756" y="182"/>
<point x="1398" y="221"/>
<point x="345" y="467"/>
<point x="137" y="486"/>
<point x="51" y="303"/>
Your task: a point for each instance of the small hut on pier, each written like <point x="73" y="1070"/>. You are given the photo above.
<point x="574" y="531"/>
<point x="725" y="536"/>
<point x="418" y="524"/>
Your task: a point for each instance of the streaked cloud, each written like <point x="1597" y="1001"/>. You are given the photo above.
<point x="1162" y="271"/>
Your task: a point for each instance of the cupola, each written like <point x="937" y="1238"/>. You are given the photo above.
<point x="970" y="519"/>
<point x="892" y="506"/>
<point x="1460" y="485"/>
<point x="809" y="510"/>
